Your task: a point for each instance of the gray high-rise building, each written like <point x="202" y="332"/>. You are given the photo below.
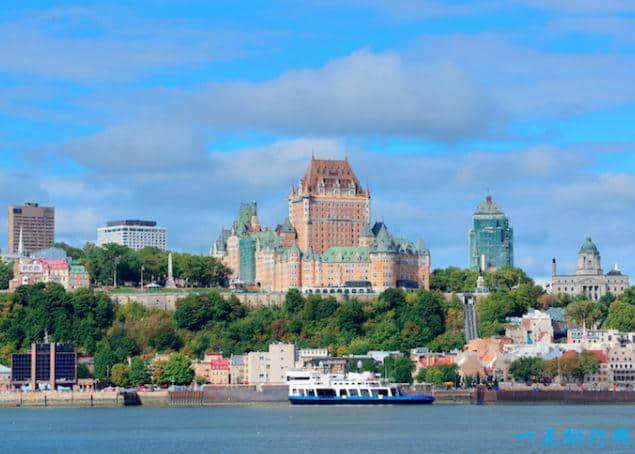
<point x="491" y="239"/>
<point x="37" y="225"/>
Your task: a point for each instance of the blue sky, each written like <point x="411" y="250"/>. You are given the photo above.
<point x="179" y="110"/>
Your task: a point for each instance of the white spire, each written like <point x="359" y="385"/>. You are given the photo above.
<point x="169" y="283"/>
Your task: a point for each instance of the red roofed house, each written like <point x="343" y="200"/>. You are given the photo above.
<point x="422" y="357"/>
<point x="213" y="369"/>
<point x="55" y="271"/>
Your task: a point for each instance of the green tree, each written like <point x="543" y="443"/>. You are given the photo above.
<point x="585" y="313"/>
<point x="177" y="370"/>
<point x="399" y="369"/>
<point x="293" y="301"/>
<point x="621" y="316"/>
<point x="139" y="372"/>
<point x="6" y="274"/>
<point x="447" y="341"/>
<point x="628" y="296"/>
<point x="453" y="280"/>
<point x="165" y="339"/>
<point x="120" y="374"/>
<point x="506" y="278"/>
<point x="83" y="372"/>
<point x="577" y="365"/>
<point x="527" y="369"/>
<point x="76" y="254"/>
<point x="350" y="316"/>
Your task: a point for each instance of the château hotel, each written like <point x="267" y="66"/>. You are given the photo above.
<point x="326" y="244"/>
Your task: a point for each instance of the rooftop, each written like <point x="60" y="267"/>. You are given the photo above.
<point x="328" y="173"/>
<point x="589" y="246"/>
<point x="137" y="222"/>
<point x="488" y="208"/>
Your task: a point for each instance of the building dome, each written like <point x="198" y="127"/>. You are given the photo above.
<point x="589" y="246"/>
<point x="489" y="208"/>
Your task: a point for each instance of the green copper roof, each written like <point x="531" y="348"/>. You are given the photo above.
<point x="290" y="251"/>
<point x="267" y="239"/>
<point x="287" y="227"/>
<point x="243" y="220"/>
<point x="77" y="269"/>
<point x="421" y="248"/>
<point x="488" y="208"/>
<point x="350" y="254"/>
<point x="384" y="242"/>
<point x="309" y="255"/>
<point x="589" y="246"/>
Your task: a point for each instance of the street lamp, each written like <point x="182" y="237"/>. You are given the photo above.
<point x="142" y="268"/>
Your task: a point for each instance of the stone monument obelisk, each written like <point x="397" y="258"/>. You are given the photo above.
<point x="169" y="283"/>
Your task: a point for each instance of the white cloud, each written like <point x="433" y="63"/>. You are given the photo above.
<point x="89" y="45"/>
<point x="364" y="93"/>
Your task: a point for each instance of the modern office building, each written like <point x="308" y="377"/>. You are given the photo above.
<point x="45" y="366"/>
<point x="35" y="224"/>
<point x="133" y="233"/>
<point x="491" y="239"/>
<point x="589" y="280"/>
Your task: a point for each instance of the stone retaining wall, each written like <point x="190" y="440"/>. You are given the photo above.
<point x="61" y="399"/>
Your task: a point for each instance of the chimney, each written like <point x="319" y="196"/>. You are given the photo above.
<point x="553" y="266"/>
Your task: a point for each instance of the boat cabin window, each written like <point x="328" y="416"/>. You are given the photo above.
<point x="326" y="392"/>
<point x="395" y="392"/>
<point x="310" y="392"/>
<point x="382" y="392"/>
<point x="353" y="392"/>
<point x="343" y="392"/>
<point x="364" y="392"/>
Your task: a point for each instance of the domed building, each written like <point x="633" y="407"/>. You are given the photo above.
<point x="589" y="279"/>
<point x="491" y="239"/>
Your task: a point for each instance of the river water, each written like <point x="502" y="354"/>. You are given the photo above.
<point x="309" y="430"/>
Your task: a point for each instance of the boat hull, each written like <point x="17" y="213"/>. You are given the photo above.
<point x="385" y="400"/>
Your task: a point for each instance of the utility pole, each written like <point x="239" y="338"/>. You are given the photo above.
<point x="142" y="277"/>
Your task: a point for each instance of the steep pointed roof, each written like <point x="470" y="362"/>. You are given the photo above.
<point x="243" y="221"/>
<point x="328" y="173"/>
<point x="221" y="242"/>
<point x="420" y="247"/>
<point x="589" y="246"/>
<point x="286" y="227"/>
<point x="384" y="241"/>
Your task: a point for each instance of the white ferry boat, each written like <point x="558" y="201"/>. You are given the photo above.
<point x="313" y="388"/>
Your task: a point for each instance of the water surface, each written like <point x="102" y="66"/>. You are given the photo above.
<point x="310" y="430"/>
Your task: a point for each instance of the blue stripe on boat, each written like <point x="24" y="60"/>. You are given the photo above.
<point x="367" y="400"/>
